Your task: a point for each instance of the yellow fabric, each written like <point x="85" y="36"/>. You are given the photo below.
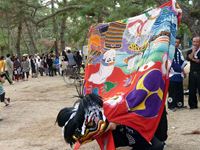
<point x="2" y="66"/>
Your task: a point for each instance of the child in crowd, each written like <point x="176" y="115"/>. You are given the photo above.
<point x="2" y="93"/>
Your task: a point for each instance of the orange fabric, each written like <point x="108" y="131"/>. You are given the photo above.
<point x="2" y="66"/>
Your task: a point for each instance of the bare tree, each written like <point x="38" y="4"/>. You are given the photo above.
<point x="31" y="37"/>
<point x="19" y="32"/>
<point x="55" y="29"/>
<point x="63" y="28"/>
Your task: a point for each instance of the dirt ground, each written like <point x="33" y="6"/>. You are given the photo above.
<point x="29" y="122"/>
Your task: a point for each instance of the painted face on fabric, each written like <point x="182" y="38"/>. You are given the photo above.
<point x="109" y="57"/>
<point x="106" y="68"/>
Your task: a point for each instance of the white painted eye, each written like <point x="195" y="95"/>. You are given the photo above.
<point x="146" y="66"/>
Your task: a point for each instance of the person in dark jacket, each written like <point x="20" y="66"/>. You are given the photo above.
<point x="194" y="76"/>
<point x="33" y="66"/>
<point x="176" y="98"/>
<point x="50" y="64"/>
<point x="78" y="59"/>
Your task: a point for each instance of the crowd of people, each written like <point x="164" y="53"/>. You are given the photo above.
<point x="14" y="69"/>
<point x="177" y="74"/>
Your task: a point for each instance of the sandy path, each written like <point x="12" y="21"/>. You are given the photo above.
<point x="28" y="123"/>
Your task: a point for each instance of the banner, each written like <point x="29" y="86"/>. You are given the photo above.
<point x="128" y="65"/>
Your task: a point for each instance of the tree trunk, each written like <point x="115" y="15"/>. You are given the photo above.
<point x="192" y="21"/>
<point x="28" y="49"/>
<point x="54" y="28"/>
<point x="31" y="37"/>
<point x="63" y="28"/>
<point x="19" y="32"/>
<point x="9" y="40"/>
<point x="9" y="34"/>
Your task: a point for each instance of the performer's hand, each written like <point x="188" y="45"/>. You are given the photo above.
<point x="111" y="126"/>
<point x="191" y="55"/>
<point x="196" y="60"/>
<point x="194" y="49"/>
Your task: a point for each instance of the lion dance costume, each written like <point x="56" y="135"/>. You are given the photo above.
<point x="127" y="67"/>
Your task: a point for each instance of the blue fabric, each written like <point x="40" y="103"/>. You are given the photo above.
<point x="56" y="61"/>
<point x="177" y="78"/>
<point x="1" y="89"/>
<point x="177" y="66"/>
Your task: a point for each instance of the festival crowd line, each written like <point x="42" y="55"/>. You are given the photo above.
<point x="13" y="69"/>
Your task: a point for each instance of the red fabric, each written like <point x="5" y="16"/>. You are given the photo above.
<point x="106" y="141"/>
<point x="118" y="86"/>
<point x="166" y="4"/>
<point x="77" y="146"/>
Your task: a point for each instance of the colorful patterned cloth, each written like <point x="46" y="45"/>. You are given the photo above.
<point x="128" y="65"/>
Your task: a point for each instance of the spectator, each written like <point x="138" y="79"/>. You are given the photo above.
<point x="64" y="54"/>
<point x="56" y="65"/>
<point x="194" y="76"/>
<point x="2" y="93"/>
<point x="71" y="59"/>
<point x="25" y="68"/>
<point x="46" y="69"/>
<point x="41" y="66"/>
<point x="50" y="64"/>
<point x="3" y="72"/>
<point x="37" y="59"/>
<point x="17" y="69"/>
<point x="176" y="97"/>
<point x="78" y="59"/>
<point x="9" y="67"/>
<point x="63" y="66"/>
<point x="2" y="64"/>
<point x="33" y="67"/>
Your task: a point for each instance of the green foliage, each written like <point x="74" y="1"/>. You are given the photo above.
<point x="96" y="11"/>
<point x="78" y="20"/>
<point x="2" y="39"/>
<point x="195" y="13"/>
<point x="183" y="29"/>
